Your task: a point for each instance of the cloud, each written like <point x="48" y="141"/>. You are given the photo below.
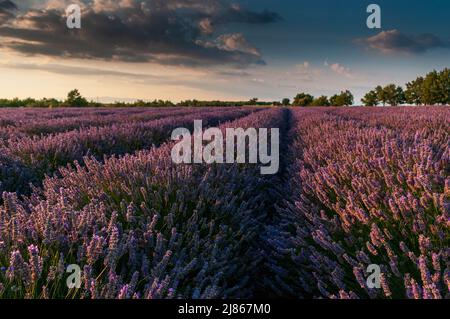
<point x="174" y="32"/>
<point x="235" y="13"/>
<point x="303" y="72"/>
<point x="178" y="79"/>
<point x="206" y="26"/>
<point x="339" y="69"/>
<point x="7" y="5"/>
<point x="233" y="73"/>
<point x="7" y="8"/>
<point x="394" y="41"/>
<point x="303" y="67"/>
<point x="76" y="70"/>
<point x="234" y="42"/>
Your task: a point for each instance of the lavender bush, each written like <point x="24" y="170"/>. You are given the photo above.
<point x="13" y="124"/>
<point x="44" y="155"/>
<point x="140" y="227"/>
<point x="365" y="188"/>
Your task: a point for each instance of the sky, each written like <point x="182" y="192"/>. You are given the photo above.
<point x="217" y="49"/>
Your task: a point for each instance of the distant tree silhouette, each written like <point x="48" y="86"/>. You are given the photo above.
<point x="286" y="102"/>
<point x="413" y="92"/>
<point x="345" y="98"/>
<point x="394" y="94"/>
<point x="321" y="101"/>
<point x="303" y="99"/>
<point x="370" y="99"/>
<point x="75" y="99"/>
<point x="432" y="89"/>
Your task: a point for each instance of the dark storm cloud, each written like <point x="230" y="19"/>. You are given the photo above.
<point x="185" y="32"/>
<point x="6" y="10"/>
<point x="7" y="5"/>
<point x="396" y="41"/>
<point x="237" y="14"/>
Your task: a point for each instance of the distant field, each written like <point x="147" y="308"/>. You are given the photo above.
<point x="97" y="188"/>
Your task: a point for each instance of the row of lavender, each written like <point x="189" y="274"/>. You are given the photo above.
<point x="29" y="122"/>
<point x="365" y="188"/>
<point x="27" y="159"/>
<point x="14" y="117"/>
<point x="139" y="227"/>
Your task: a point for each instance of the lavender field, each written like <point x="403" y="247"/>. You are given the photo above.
<point x="98" y="188"/>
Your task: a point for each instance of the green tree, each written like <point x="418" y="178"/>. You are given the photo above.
<point x="381" y="95"/>
<point x="303" y="99"/>
<point x="75" y="99"/>
<point x="431" y="91"/>
<point x="393" y="94"/>
<point x="321" y="101"/>
<point x="413" y="92"/>
<point x="400" y="94"/>
<point x="286" y="102"/>
<point x="253" y="101"/>
<point x="371" y="98"/>
<point x="444" y="86"/>
<point x="345" y="98"/>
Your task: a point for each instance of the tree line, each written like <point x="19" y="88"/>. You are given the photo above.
<point x="193" y="103"/>
<point x="345" y="98"/>
<point x="75" y="99"/>
<point x="431" y="89"/>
